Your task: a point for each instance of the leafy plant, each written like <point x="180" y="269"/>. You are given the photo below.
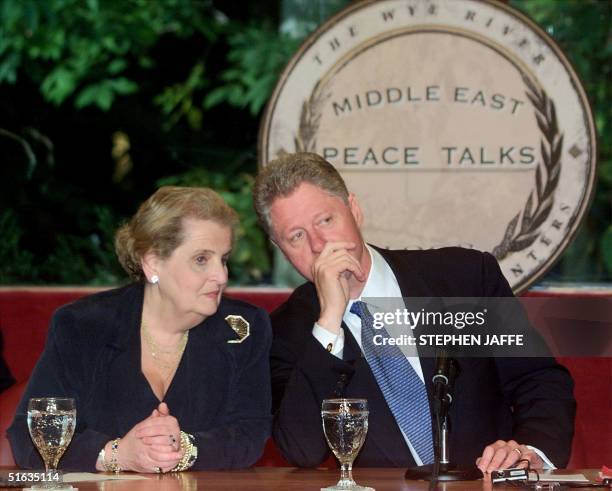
<point x="88" y="50"/>
<point x="15" y="263"/>
<point x="89" y="258"/>
<point x="177" y="101"/>
<point x="256" y="57"/>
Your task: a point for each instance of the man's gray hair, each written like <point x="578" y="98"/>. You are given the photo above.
<point x="281" y="177"/>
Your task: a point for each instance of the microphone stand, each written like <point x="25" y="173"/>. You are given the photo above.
<point x="442" y="469"/>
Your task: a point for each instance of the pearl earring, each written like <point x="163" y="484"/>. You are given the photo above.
<point x="154" y="279"/>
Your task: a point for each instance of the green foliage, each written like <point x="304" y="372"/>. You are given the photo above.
<point x="250" y="257"/>
<point x="89" y="258"/>
<point x="93" y="52"/>
<point x="75" y="259"/>
<point x="81" y="54"/>
<point x="177" y="101"/>
<point x="15" y="263"/>
<point x="256" y="57"/>
<point x="90" y="49"/>
<point x="102" y="93"/>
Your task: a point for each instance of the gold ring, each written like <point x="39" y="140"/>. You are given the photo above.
<point x="516" y="449"/>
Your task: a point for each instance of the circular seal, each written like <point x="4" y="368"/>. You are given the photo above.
<point x="455" y="122"/>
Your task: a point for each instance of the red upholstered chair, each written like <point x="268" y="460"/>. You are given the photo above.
<point x="592" y="445"/>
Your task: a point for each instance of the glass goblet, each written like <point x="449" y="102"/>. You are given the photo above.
<point x="51" y="421"/>
<point x="345" y="424"/>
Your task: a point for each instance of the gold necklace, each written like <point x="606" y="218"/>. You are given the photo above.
<point x="165" y="359"/>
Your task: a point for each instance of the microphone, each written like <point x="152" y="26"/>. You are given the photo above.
<point x="442" y="469"/>
<point x="443" y="381"/>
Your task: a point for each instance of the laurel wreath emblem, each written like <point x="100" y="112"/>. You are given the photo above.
<point x="310" y="119"/>
<point x="541" y="199"/>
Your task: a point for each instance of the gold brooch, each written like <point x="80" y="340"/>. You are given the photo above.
<point x="240" y="326"/>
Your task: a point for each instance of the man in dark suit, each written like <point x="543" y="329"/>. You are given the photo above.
<point x="504" y="409"/>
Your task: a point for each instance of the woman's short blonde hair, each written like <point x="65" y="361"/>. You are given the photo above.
<point x="157" y="226"/>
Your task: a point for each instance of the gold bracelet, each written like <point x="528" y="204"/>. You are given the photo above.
<point x="113" y="465"/>
<point x="190" y="453"/>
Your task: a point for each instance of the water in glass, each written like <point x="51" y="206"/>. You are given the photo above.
<point x="51" y="422"/>
<point x="345" y="424"/>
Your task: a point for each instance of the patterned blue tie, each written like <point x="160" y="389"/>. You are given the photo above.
<point x="403" y="389"/>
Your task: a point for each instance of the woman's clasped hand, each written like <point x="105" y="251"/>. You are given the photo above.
<point x="153" y="445"/>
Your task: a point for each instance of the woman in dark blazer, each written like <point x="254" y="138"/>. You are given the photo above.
<point x="166" y="373"/>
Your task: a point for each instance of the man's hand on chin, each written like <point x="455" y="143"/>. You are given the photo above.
<point x="332" y="272"/>
<point x="503" y="455"/>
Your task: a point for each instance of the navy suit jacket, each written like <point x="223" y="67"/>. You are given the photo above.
<point x="526" y="399"/>
<point x="220" y="392"/>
